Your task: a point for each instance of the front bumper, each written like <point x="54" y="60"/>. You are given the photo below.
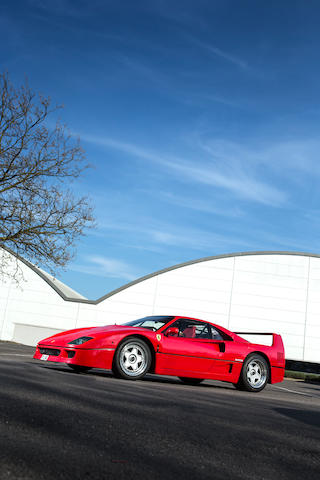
<point x="86" y="357"/>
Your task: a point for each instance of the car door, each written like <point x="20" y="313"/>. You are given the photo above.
<point x="190" y="347"/>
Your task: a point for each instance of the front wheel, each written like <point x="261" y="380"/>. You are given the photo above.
<point x="254" y="375"/>
<point x="132" y="359"/>
<point x="191" y="381"/>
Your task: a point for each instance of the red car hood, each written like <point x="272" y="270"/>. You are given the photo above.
<point x="64" y="338"/>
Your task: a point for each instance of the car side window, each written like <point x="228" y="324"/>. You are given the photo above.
<point x="185" y="328"/>
<point x="215" y="334"/>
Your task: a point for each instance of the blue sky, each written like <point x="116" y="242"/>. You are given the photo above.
<point x="200" y="118"/>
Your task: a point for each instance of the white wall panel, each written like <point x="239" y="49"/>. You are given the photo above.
<point x="176" y="303"/>
<point x="89" y="315"/>
<point x="295" y="353"/>
<point x="29" y="335"/>
<point x="265" y="280"/>
<point x="271" y="314"/>
<point x="195" y="291"/>
<point x="272" y="326"/>
<point x="264" y="289"/>
<point x="266" y="301"/>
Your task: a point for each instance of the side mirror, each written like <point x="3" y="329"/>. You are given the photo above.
<point x="172" y="332"/>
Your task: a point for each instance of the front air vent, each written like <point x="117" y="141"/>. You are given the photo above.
<point x="54" y="352"/>
<point x="70" y="353"/>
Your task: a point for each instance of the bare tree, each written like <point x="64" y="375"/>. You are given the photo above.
<point x="40" y="218"/>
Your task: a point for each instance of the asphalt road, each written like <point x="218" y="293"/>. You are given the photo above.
<point x="56" y="424"/>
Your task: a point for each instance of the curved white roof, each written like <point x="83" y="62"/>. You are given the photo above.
<point x="69" y="294"/>
<point x="60" y="287"/>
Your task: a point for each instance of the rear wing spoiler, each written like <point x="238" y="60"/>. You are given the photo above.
<point x="276" y="339"/>
<point x="254" y="333"/>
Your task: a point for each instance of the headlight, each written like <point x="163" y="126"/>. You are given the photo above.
<point x="80" y="341"/>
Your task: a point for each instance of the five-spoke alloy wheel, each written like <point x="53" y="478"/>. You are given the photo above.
<point x="254" y="374"/>
<point x="132" y="359"/>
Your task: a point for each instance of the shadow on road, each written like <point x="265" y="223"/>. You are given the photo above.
<point x="310" y="417"/>
<point x="147" y="378"/>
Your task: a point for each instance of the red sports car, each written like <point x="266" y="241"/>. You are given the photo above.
<point x="188" y="348"/>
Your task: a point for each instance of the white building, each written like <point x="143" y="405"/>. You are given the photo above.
<point x="256" y="291"/>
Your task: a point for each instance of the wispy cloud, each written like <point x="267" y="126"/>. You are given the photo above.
<point x="217" y="52"/>
<point x="125" y="147"/>
<point x="282" y="241"/>
<point x="147" y="72"/>
<point x="191" y="238"/>
<point x="180" y="85"/>
<point x="220" y="99"/>
<point x="239" y="180"/>
<point x="207" y="206"/>
<point x="61" y="7"/>
<point x="292" y="159"/>
<point x="294" y="155"/>
<point x="178" y="235"/>
<point x="106" y="267"/>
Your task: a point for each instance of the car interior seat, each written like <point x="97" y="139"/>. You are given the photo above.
<point x="189" y="332"/>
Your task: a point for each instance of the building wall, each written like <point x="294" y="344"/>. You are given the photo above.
<point x="35" y="303"/>
<point x="254" y="292"/>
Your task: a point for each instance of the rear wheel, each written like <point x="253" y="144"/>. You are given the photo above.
<point x="254" y="374"/>
<point x="191" y="381"/>
<point x="79" y="368"/>
<point x="132" y="359"/>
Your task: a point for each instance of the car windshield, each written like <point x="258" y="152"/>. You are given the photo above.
<point x="152" y="323"/>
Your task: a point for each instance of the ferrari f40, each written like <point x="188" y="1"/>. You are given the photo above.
<point x="188" y="348"/>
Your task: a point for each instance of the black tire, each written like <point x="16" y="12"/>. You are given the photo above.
<point x="79" y="368"/>
<point x="191" y="381"/>
<point x="254" y="375"/>
<point x="132" y="359"/>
